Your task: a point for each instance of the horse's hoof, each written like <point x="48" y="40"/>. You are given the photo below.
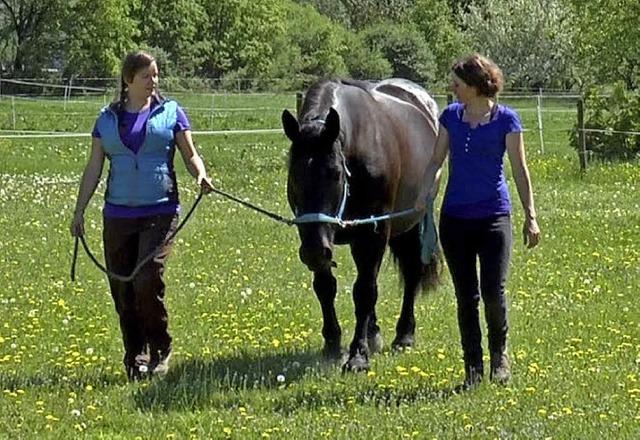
<point x="402" y="342"/>
<point x="375" y="343"/>
<point x="332" y="351"/>
<point x="358" y="364"/>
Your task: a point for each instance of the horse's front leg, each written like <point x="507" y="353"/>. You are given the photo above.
<point x="367" y="254"/>
<point x="325" y="286"/>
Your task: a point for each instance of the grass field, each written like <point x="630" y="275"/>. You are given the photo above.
<point x="247" y="326"/>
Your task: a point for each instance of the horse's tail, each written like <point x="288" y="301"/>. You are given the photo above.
<point x="417" y="254"/>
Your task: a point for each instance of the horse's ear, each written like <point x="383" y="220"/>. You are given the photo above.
<point x="290" y="125"/>
<point x="331" y="126"/>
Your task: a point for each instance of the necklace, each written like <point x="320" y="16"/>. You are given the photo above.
<point x="475" y="119"/>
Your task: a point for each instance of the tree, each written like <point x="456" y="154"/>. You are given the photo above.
<point x="363" y="61"/>
<point x="436" y="22"/>
<point x="333" y="9"/>
<point x="607" y="42"/>
<point x="175" y="30"/>
<point x="26" y="27"/>
<point x="98" y="35"/>
<point x="532" y="41"/>
<point x="241" y="34"/>
<point x="405" y="49"/>
<point x="364" y="13"/>
<point x="311" y="47"/>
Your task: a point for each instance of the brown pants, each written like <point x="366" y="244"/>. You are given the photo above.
<point x="139" y="303"/>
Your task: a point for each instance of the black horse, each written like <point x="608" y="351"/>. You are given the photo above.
<point x="360" y="149"/>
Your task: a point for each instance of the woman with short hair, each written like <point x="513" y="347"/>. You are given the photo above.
<point x="475" y="220"/>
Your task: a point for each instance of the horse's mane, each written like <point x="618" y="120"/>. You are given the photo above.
<point x="317" y="100"/>
<point x="320" y="96"/>
<point x="367" y="86"/>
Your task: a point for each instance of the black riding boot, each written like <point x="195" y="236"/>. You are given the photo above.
<point x="496" y="315"/>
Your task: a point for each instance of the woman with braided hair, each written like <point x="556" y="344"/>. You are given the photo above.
<point x="138" y="134"/>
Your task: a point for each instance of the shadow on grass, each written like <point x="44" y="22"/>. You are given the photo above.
<point x="252" y="379"/>
<point x="57" y="377"/>
<point x="198" y="382"/>
<point x="370" y="394"/>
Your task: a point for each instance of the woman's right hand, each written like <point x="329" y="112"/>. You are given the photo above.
<point x="531" y="233"/>
<point x="77" y="225"/>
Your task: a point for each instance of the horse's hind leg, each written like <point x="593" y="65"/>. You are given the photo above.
<point x="374" y="337"/>
<point x="325" y="286"/>
<point x="367" y="252"/>
<point x="406" y="251"/>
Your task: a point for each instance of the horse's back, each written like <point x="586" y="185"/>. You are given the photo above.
<point x="409" y="93"/>
<point x="415" y="116"/>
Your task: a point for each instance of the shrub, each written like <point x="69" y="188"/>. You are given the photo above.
<point x="616" y="115"/>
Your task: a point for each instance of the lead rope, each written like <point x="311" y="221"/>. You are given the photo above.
<point x="144" y="261"/>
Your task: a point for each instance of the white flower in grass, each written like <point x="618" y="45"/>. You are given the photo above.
<point x="76" y="412"/>
<point x="280" y="378"/>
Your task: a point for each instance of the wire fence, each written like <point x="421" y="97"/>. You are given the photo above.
<point x="34" y="108"/>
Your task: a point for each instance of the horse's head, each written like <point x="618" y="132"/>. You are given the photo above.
<point x="316" y="183"/>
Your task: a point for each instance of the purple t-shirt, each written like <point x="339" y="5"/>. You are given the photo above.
<point x="477" y="187"/>
<point x="133" y="127"/>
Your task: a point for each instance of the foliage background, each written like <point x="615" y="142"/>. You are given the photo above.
<point x="546" y="43"/>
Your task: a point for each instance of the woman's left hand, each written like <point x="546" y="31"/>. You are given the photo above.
<point x="205" y="184"/>
<point x="531" y="233"/>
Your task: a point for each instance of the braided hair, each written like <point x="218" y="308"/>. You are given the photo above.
<point x="131" y="64"/>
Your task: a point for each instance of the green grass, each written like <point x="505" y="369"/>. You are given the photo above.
<point x="206" y="111"/>
<point x="243" y="312"/>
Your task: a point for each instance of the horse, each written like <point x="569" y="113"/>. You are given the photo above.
<point x="360" y="149"/>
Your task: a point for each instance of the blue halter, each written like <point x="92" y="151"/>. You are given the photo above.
<point x="324" y="218"/>
<point x="337" y="218"/>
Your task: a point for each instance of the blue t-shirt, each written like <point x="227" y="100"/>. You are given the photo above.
<point x="477" y="187"/>
<point x="133" y="129"/>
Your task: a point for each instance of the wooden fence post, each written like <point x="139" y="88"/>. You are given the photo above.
<point x="582" y="143"/>
<point x="539" y="111"/>
<point x="298" y="104"/>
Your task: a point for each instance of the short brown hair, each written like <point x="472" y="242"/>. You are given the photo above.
<point x="480" y="72"/>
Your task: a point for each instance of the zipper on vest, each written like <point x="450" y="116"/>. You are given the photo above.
<point x="134" y="190"/>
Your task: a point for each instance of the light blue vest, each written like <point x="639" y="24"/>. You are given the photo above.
<point x="148" y="177"/>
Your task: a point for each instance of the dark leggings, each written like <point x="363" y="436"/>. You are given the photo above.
<point x="139" y="303"/>
<point x="464" y="241"/>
